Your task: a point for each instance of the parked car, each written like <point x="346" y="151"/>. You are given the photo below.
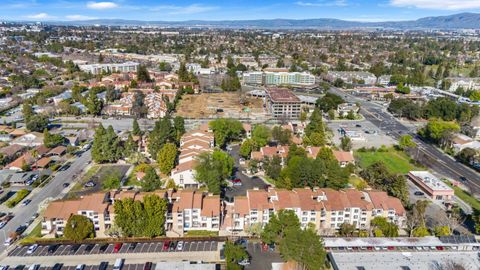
<point x="418" y="193"/>
<point x="19" y="267"/>
<point x="66" y="185"/>
<point x="8" y="241"/>
<point x="26" y="202"/>
<point x="117" y="247"/>
<point x="148" y="266"/>
<point x="166" y="244"/>
<point x="74" y="248"/>
<point x="52" y="248"/>
<point x="3" y="267"/>
<point x="20" y="229"/>
<point x="80" y="267"/>
<point x="90" y="184"/>
<point x="244" y="262"/>
<point x="2" y="224"/>
<point x="32" y="248"/>
<point x="237" y="182"/>
<point x="89" y="247"/>
<point x="103" y="266"/>
<point x="57" y="266"/>
<point x="463" y="179"/>
<point x="172" y="246"/>
<point x="132" y="246"/>
<point x="118" y="264"/>
<point x="180" y="246"/>
<point x="103" y="247"/>
<point x="34" y="267"/>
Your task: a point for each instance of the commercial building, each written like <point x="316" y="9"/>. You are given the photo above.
<point x="282" y="103"/>
<point x="325" y="208"/>
<point x="114" y="67"/>
<point x="431" y="185"/>
<point x="279" y="78"/>
<point x="465" y="83"/>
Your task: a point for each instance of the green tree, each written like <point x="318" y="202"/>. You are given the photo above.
<point x="27" y="111"/>
<point x="346" y="143"/>
<point x="37" y="122"/>
<point x="281" y="135"/>
<point x="272" y="167"/>
<point x="213" y="168"/>
<point x="226" y="130"/>
<point x="233" y="255"/>
<point x="78" y="228"/>
<point x="261" y="135"/>
<point x="166" y="158"/>
<point x="151" y="181"/>
<point x="179" y="125"/>
<point x="93" y="103"/>
<point x="421" y="231"/>
<point x="52" y="140"/>
<point x="246" y="148"/>
<point x="162" y="133"/>
<point x="106" y="146"/>
<point x="136" y="128"/>
<point x="386" y="228"/>
<point x="406" y="141"/>
<point x="329" y="102"/>
<point x="142" y="74"/>
<point x="442" y="231"/>
<point x="346" y="229"/>
<point x="439" y="130"/>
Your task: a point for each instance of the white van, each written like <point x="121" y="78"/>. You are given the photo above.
<point x="80" y="267"/>
<point x="8" y="241"/>
<point x="118" y="264"/>
<point x="34" y="267"/>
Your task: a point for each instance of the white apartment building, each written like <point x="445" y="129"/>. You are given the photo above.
<point x="114" y="67"/>
<point x="279" y="78"/>
<point x="465" y="83"/>
<point x="352" y="77"/>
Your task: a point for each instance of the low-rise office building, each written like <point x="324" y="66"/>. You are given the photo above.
<point x="282" y="103"/>
<point x="431" y="185"/>
<point x="279" y="78"/>
<point x="113" y="67"/>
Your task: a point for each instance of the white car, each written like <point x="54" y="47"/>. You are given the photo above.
<point x="8" y="241"/>
<point x="244" y="262"/>
<point x="2" y="224"/>
<point x="80" y="267"/>
<point x="3" y="267"/>
<point x="180" y="246"/>
<point x="32" y="248"/>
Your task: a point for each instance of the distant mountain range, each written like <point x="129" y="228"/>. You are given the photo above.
<point x="456" y="21"/>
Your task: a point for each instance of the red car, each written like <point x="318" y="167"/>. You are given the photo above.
<point x="166" y="244"/>
<point x="117" y="247"/>
<point x="391" y="248"/>
<point x="439" y="248"/>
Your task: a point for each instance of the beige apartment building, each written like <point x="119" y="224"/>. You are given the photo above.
<point x="325" y="208"/>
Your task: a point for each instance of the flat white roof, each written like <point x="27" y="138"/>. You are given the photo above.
<point x="430" y="180"/>
<point x="430" y="241"/>
<point x="403" y="260"/>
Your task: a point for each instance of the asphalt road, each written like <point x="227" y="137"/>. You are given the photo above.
<point x="53" y="189"/>
<point x="426" y="153"/>
<point x="247" y="182"/>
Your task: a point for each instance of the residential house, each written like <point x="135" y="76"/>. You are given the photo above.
<point x="346" y="108"/>
<point x="461" y="141"/>
<point x="29" y="140"/>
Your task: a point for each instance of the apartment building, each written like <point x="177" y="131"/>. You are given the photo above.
<point x="279" y="78"/>
<point x="353" y="77"/>
<point x="94" y="206"/>
<point x="113" y="67"/>
<point x="193" y="210"/>
<point x="156" y="105"/>
<point x="192" y="144"/>
<point x="325" y="208"/>
<point x="282" y="103"/>
<point x="121" y="107"/>
<point x="465" y="83"/>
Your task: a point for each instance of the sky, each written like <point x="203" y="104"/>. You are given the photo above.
<point x="179" y="10"/>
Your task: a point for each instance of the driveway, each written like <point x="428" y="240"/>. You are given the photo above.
<point x="247" y="182"/>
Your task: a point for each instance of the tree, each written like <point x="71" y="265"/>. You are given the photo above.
<point x="406" y="141"/>
<point x="78" y="228"/>
<point x="37" y="122"/>
<point x="166" y="158"/>
<point x="164" y="66"/>
<point x="27" y="111"/>
<point x="106" y="146"/>
<point x="346" y="229"/>
<point x="421" y="231"/>
<point x="260" y="135"/>
<point x="93" y="103"/>
<point x="442" y="231"/>
<point x="272" y="166"/>
<point x="281" y="135"/>
<point x="151" y="181"/>
<point x="346" y="143"/>
<point x="142" y="74"/>
<point x="136" y="128"/>
<point x="386" y="229"/>
<point x="162" y="133"/>
<point x="438" y="130"/>
<point x="467" y="155"/>
<point x="213" y="168"/>
<point x="226" y="130"/>
<point x="52" y="140"/>
<point x="329" y="102"/>
<point x="179" y="125"/>
<point x="402" y="89"/>
<point x="246" y="148"/>
<point x="233" y="255"/>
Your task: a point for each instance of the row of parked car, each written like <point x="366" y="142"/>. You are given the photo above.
<point x="392" y="248"/>
<point x="118" y="265"/>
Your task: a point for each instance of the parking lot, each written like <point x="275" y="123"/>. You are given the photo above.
<point x="374" y="138"/>
<point x="92" y="249"/>
<point x="95" y="267"/>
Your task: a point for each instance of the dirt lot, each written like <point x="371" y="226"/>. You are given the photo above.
<point x="206" y="105"/>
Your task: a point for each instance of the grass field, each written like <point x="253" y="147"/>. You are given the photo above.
<point x="396" y="161"/>
<point x="467" y="198"/>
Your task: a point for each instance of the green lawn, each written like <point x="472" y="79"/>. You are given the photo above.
<point x="467" y="198"/>
<point x="201" y="233"/>
<point x="396" y="161"/>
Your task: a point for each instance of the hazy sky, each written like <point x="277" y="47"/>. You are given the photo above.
<point x="358" y="10"/>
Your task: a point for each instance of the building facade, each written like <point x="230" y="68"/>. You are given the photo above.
<point x="279" y="78"/>
<point x="282" y="103"/>
<point x="114" y="67"/>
